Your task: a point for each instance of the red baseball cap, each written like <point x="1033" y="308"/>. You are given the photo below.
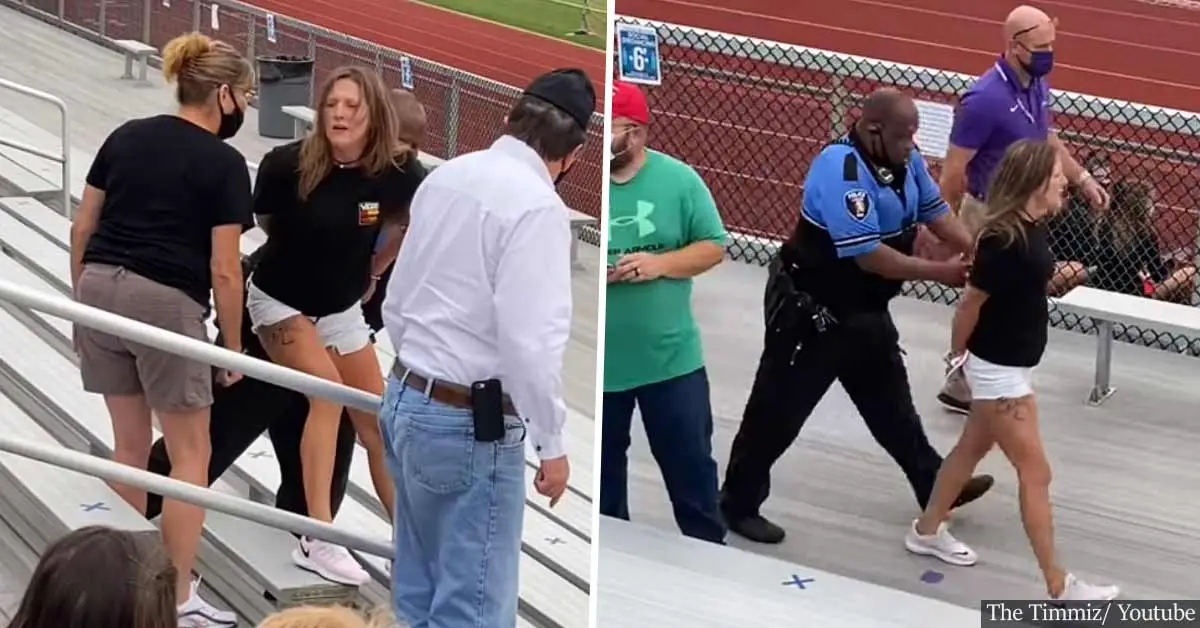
<point x="628" y="101"/>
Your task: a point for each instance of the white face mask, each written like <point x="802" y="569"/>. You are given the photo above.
<point x="612" y="149"/>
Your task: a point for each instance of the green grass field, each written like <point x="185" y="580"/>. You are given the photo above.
<point x="548" y="17"/>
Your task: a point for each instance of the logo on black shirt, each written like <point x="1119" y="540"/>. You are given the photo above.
<point x="368" y="213"/>
<point x="858" y="203"/>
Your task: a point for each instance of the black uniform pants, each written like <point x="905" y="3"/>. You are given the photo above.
<point x="863" y="353"/>
<point x="240" y="414"/>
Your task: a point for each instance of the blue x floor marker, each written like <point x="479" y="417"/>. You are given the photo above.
<point x="797" y="582"/>
<point x="932" y="577"/>
<point x="95" y="506"/>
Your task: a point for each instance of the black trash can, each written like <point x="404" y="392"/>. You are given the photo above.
<point x="282" y="81"/>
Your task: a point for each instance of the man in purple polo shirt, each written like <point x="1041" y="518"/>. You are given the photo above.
<point x="1009" y="102"/>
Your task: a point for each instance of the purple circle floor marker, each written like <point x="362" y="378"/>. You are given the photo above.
<point x="932" y="577"/>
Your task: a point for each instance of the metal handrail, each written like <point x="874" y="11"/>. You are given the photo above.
<point x="65" y="157"/>
<point x="175" y="489"/>
<point x="191" y="348"/>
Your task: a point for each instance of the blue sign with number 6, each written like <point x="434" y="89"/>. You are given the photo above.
<point x="638" y="50"/>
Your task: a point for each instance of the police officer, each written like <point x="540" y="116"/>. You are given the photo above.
<point x="826" y="309"/>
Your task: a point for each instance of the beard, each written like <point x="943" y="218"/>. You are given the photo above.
<point x="621" y="156"/>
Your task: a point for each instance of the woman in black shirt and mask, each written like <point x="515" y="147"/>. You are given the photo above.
<point x="999" y="335"/>
<point x="158" y="230"/>
<point x="333" y="206"/>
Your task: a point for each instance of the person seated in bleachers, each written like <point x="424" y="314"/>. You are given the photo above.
<point x="1073" y="231"/>
<point x="100" y="577"/>
<point x="1127" y="256"/>
<point x="155" y="238"/>
<point x="326" y="617"/>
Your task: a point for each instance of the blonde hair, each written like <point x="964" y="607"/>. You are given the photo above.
<point x="326" y="617"/>
<point x="1024" y="170"/>
<point x="316" y="153"/>
<point x="199" y="65"/>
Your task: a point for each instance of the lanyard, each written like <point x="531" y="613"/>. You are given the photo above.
<point x="1018" y="96"/>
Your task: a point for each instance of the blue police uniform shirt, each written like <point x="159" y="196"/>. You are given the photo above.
<point x="850" y="209"/>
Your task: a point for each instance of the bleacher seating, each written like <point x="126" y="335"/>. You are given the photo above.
<point x="35" y="240"/>
<point x="652" y="578"/>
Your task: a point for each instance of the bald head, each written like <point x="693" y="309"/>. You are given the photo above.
<point x="887" y="106"/>
<point x="887" y="125"/>
<point x="1022" y="19"/>
<point x="1029" y="42"/>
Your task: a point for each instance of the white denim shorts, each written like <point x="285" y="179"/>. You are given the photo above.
<point x="989" y="381"/>
<point x="345" y="332"/>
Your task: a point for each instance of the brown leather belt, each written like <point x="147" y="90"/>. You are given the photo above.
<point x="445" y="392"/>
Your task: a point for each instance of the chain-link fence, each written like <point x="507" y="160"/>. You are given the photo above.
<point x="465" y="112"/>
<point x="750" y="115"/>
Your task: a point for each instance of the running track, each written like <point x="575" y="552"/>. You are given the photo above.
<point x="496" y="52"/>
<point x="752" y="140"/>
<point x="1126" y="49"/>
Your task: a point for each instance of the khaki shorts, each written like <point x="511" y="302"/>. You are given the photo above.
<point x="111" y="365"/>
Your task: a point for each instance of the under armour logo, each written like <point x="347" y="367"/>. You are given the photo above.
<point x="641" y="219"/>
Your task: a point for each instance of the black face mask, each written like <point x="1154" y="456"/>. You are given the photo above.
<point x="231" y="122"/>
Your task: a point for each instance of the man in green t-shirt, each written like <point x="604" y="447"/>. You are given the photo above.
<point x="663" y="229"/>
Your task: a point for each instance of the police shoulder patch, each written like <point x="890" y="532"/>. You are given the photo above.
<point x="858" y="203"/>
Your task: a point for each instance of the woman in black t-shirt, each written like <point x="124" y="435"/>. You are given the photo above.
<point x="324" y="202"/>
<point x="999" y="335"/>
<point x="158" y="230"/>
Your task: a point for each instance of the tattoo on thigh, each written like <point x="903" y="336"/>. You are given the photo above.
<point x="1013" y="408"/>
<point x="280" y="335"/>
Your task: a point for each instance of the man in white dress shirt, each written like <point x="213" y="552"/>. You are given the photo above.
<point x="479" y="310"/>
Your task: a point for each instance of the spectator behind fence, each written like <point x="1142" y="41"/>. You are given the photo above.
<point x="100" y="577"/>
<point x="1009" y="102"/>
<point x="158" y="228"/>
<point x="998" y="337"/>
<point x="479" y="312"/>
<point x="1127" y="256"/>
<point x="326" y="617"/>
<point x="1073" y="230"/>
<point x="324" y="202"/>
<point x="663" y="229"/>
<point x="825" y="308"/>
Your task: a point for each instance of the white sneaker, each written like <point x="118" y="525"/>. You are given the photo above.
<point x="332" y="562"/>
<point x="942" y="546"/>
<point x="198" y="613"/>
<point x="1075" y="589"/>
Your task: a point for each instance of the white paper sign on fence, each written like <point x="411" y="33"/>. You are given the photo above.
<point x="933" y="136"/>
<point x="215" y="21"/>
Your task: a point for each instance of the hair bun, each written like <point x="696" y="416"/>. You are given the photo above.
<point x="181" y="51"/>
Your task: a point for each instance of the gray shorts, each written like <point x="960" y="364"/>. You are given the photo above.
<point x="111" y="365"/>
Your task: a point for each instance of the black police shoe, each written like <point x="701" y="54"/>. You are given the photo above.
<point x="973" y="490"/>
<point x="756" y="528"/>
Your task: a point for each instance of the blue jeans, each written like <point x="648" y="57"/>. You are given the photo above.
<point x="460" y="507"/>
<point x="678" y="419"/>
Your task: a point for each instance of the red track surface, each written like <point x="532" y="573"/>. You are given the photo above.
<point x="497" y="52"/>
<point x="470" y="121"/>
<point x="753" y="140"/>
<point x="1117" y="48"/>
